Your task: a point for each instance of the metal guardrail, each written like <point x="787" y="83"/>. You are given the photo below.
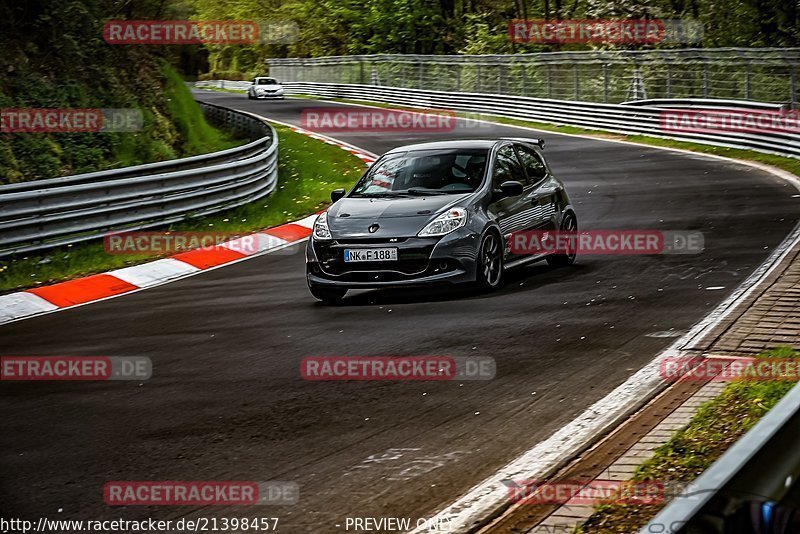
<point x="759" y="74"/>
<point x="230" y="85"/>
<point x="48" y="213"/>
<point x="754" y="483"/>
<point x="619" y="118"/>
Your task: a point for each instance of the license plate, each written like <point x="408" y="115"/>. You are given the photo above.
<point x="370" y="254"/>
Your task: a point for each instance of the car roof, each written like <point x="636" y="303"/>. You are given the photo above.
<point x="461" y="143"/>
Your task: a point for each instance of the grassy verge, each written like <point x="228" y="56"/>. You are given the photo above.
<point x="716" y="426"/>
<point x="789" y="164"/>
<point x="308" y="170"/>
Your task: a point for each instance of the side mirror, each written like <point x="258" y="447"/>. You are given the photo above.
<point x="336" y="194"/>
<point x="509" y="189"/>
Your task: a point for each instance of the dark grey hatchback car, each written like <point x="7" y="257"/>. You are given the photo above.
<point x="437" y="212"/>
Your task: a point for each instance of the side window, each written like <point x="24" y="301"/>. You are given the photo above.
<point x="507" y="167"/>
<point x="532" y="163"/>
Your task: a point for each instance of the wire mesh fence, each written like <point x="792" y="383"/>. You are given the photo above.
<point x="612" y="76"/>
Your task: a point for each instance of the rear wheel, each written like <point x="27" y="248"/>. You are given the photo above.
<point x="329" y="295"/>
<point x="490" y="262"/>
<point x="568" y="225"/>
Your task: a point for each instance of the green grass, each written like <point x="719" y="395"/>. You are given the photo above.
<point x="199" y="137"/>
<point x="716" y="426"/>
<point x="788" y="164"/>
<point x="308" y="171"/>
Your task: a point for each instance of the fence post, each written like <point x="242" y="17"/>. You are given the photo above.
<point x="458" y="77"/>
<point x="794" y="85"/>
<point x="478" y="79"/>
<point x="605" y="83"/>
<point x="669" y="79"/>
<point x="361" y="69"/>
<point x="549" y="82"/>
<point x="748" y="95"/>
<point x="577" y="81"/>
<point x="501" y="75"/>
<point x="522" y="80"/>
<point x="706" y="78"/>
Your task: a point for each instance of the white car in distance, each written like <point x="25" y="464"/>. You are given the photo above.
<point x="264" y="87"/>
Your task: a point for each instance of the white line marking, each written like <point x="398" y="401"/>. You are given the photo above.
<point x="546" y="456"/>
<point x="154" y="272"/>
<point x="19" y="305"/>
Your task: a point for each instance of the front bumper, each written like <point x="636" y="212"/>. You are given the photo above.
<point x="449" y="259"/>
<point x="269" y="96"/>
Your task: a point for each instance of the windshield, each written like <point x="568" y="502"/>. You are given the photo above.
<point x="425" y="172"/>
<point x="266" y="81"/>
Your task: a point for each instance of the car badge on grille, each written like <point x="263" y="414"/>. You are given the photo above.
<point x="373" y="228"/>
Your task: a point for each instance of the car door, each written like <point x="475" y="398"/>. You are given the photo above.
<point x="539" y="193"/>
<point x="511" y="212"/>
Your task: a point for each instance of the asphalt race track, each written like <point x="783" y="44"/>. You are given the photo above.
<point x="226" y="400"/>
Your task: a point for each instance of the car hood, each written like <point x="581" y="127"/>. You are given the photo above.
<point x="270" y="87"/>
<point x="396" y="217"/>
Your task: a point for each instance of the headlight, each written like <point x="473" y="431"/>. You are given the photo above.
<point x="321" y="230"/>
<point x="450" y="220"/>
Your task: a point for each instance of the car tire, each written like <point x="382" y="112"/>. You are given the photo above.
<point x="328" y="295"/>
<point x="489" y="273"/>
<point x="250" y="97"/>
<point x="568" y="224"/>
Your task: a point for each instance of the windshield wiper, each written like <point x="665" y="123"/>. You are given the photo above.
<point x="376" y="195"/>
<point x="423" y="192"/>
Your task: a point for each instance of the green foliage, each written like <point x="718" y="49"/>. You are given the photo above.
<point x="339" y="27"/>
<point x="54" y="57"/>
<point x="716" y="426"/>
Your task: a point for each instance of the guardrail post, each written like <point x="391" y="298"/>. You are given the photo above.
<point x="478" y="79"/>
<point x="706" y="79"/>
<point x="605" y="83"/>
<point x="576" y="68"/>
<point x="458" y="78"/>
<point x="361" y="69"/>
<point x="522" y="80"/>
<point x="420" y="73"/>
<point x="794" y="85"/>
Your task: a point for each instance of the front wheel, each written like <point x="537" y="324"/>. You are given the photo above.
<point x="250" y="97"/>
<point x="569" y="226"/>
<point x="490" y="262"/>
<point x="329" y="295"/>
